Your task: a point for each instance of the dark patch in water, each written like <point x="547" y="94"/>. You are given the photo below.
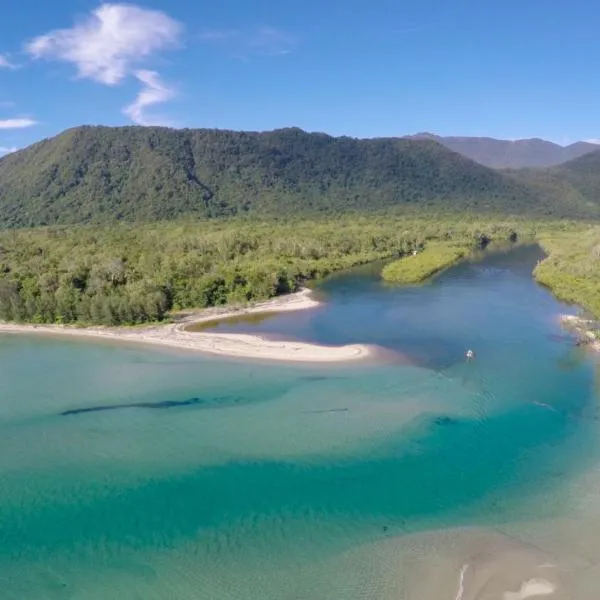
<point x="164" y="404"/>
<point x="320" y="378"/>
<point x="249" y="318"/>
<point x="327" y="410"/>
<point x="444" y="420"/>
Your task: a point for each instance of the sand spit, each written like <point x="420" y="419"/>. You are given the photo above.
<point x="234" y="345"/>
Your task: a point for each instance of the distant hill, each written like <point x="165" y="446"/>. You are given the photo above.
<point x="99" y="174"/>
<point x="575" y="183"/>
<point x="507" y="154"/>
<point x="582" y="175"/>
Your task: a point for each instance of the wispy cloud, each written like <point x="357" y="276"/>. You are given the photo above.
<point x="5" y="63"/>
<point x="260" y="41"/>
<point x="154" y="92"/>
<point x="593" y="141"/>
<point x="108" y="45"/>
<point x="109" y="42"/>
<point x="6" y="150"/>
<point x="16" y="123"/>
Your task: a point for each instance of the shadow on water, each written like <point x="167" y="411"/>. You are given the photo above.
<point x="165" y="404"/>
<point x="441" y="469"/>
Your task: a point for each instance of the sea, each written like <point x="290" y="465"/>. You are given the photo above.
<point x="133" y="472"/>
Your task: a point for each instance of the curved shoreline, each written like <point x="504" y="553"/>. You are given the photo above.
<point x="174" y="335"/>
<point x="583" y="329"/>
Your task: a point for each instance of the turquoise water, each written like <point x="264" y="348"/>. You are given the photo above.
<point x="219" y="479"/>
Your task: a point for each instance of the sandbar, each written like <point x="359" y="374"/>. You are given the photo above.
<point x="224" y="344"/>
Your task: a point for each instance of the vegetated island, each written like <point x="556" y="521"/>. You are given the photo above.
<point x="176" y="335"/>
<point x="418" y="267"/>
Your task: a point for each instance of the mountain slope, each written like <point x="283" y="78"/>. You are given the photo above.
<point x="508" y="154"/>
<point x="98" y="174"/>
<point x="575" y="183"/>
<point x="583" y="175"/>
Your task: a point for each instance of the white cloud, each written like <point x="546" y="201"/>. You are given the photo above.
<point x="154" y="92"/>
<point x="593" y="141"/>
<point x="16" y="123"/>
<point x="5" y="63"/>
<point x="109" y="42"/>
<point x="5" y="150"/>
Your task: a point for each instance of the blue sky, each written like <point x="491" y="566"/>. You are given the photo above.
<point x="363" y="68"/>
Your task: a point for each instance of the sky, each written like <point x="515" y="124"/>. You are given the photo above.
<point x="364" y="68"/>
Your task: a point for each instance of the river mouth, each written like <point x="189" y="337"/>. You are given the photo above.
<point x="129" y="473"/>
<point x="412" y="321"/>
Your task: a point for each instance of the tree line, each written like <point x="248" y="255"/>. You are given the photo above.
<point x="132" y="274"/>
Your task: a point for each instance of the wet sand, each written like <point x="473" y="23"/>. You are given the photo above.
<point x="463" y="564"/>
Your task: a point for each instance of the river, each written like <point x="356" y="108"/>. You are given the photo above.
<point x="420" y="475"/>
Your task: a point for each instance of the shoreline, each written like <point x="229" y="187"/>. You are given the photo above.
<point x="174" y="335"/>
<point x="583" y="328"/>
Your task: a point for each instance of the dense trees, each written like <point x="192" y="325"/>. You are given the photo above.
<point x="148" y="253"/>
<point x="131" y="274"/>
<point x="134" y="274"/>
<point x="572" y="269"/>
<point x="103" y="174"/>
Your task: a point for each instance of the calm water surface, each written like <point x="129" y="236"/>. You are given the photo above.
<point x="134" y="473"/>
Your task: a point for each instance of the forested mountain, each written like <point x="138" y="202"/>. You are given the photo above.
<point x="583" y="174"/>
<point x="509" y="154"/>
<point x="99" y="174"/>
<point x="575" y="183"/>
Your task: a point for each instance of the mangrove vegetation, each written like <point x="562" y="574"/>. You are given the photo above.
<point x="419" y="266"/>
<point x="131" y="274"/>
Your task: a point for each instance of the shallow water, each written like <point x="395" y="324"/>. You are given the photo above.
<point x="137" y="473"/>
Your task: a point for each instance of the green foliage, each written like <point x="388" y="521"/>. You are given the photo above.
<point x="574" y="185"/>
<point x="129" y="274"/>
<point x="572" y="269"/>
<point x="421" y="266"/>
<point x="103" y="175"/>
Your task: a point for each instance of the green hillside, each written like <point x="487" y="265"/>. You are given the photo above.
<point x="574" y="185"/>
<point x="99" y="174"/>
<point x="582" y="175"/>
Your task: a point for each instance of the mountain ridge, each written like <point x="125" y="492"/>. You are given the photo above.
<point x="93" y="174"/>
<point x="511" y="154"/>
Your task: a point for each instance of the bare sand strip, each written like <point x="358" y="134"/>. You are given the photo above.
<point x="235" y="345"/>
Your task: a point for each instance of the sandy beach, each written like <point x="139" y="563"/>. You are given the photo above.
<point x="235" y="345"/>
